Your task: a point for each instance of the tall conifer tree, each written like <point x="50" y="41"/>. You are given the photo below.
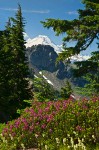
<point x="83" y="31"/>
<point x="21" y="89"/>
<point x="5" y="71"/>
<point x="14" y="72"/>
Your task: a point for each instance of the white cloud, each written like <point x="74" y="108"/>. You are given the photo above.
<point x="36" y="11"/>
<point x="72" y="12"/>
<point x="27" y="11"/>
<point x="9" y="9"/>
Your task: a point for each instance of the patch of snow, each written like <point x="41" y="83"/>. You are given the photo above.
<point x="44" y="77"/>
<point x="35" y="76"/>
<point x="40" y="72"/>
<point x="79" y="57"/>
<point x="49" y="82"/>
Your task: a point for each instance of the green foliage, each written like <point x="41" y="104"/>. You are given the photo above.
<point x="2" y="125"/>
<point x="43" y="90"/>
<point x="55" y="125"/>
<point x="66" y="91"/>
<point x="83" y="31"/>
<point x="90" y="69"/>
<point x="5" y="72"/>
<point x="14" y="86"/>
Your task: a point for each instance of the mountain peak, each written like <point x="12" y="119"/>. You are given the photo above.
<point x="42" y="40"/>
<point x="45" y="40"/>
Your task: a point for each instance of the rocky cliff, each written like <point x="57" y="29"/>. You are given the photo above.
<point x="42" y="57"/>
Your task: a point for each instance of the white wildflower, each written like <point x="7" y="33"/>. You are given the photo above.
<point x="1" y="135"/>
<point x="75" y="146"/>
<point x="82" y="139"/>
<point x="46" y="147"/>
<point x="75" y="133"/>
<point x="93" y="136"/>
<point x="22" y="145"/>
<point x="68" y="147"/>
<point x="36" y="135"/>
<point x="3" y="139"/>
<point x="64" y="141"/>
<point x="43" y="135"/>
<point x="72" y="142"/>
<point x="11" y="136"/>
<point x="84" y="136"/>
<point x="68" y="135"/>
<point x="57" y="140"/>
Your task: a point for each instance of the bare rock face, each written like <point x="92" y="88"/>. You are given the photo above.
<point x="43" y="57"/>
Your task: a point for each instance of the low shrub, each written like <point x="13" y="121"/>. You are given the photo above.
<point x="2" y="125"/>
<point x="54" y="125"/>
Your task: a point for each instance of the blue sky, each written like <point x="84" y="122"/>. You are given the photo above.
<point x="35" y="11"/>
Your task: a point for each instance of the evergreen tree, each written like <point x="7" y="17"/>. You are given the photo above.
<point x="66" y="91"/>
<point x="83" y="31"/>
<point x="19" y="84"/>
<point x="90" y="71"/>
<point x="14" y="72"/>
<point x="43" y="90"/>
<point x="5" y="71"/>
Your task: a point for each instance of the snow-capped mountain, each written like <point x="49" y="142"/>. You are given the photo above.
<point x="44" y="40"/>
<point x="42" y="57"/>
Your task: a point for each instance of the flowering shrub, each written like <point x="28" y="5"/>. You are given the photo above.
<point x="51" y="124"/>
